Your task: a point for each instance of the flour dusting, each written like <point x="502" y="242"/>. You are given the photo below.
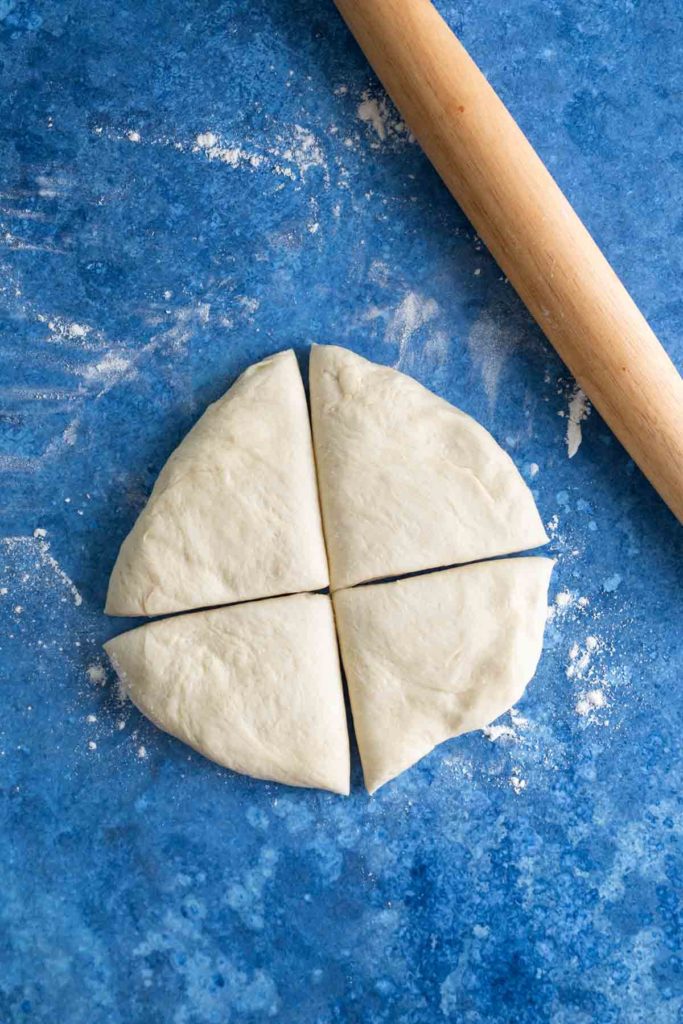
<point x="108" y="370"/>
<point x="370" y="111"/>
<point x="581" y="657"/>
<point x="491" y="344"/>
<point x="585" y="667"/>
<point x="507" y="731"/>
<point x="590" y="701"/>
<point x="70" y="333"/>
<point x="517" y="782"/>
<point x="70" y="433"/>
<point x="382" y="118"/>
<point x="579" y="410"/>
<point x="291" y="155"/>
<point x="34" y="552"/>
<point x="232" y="155"/>
<point x="288" y="152"/>
<point x="498" y="732"/>
<point x="96" y="674"/>
<point x="412" y="313"/>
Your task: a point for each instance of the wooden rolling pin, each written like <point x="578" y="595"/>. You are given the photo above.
<point x="529" y="226"/>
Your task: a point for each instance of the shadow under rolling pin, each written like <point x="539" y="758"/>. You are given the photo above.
<point x="530" y="228"/>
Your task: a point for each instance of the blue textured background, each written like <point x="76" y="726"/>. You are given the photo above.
<point x="527" y="875"/>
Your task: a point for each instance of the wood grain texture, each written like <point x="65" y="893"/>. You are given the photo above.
<point x="530" y="228"/>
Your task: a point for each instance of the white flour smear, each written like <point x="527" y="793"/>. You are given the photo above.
<point x="412" y="313"/>
<point x="579" y="410"/>
<point x="108" y="370"/>
<point x="491" y="344"/>
<point x="121" y="363"/>
<point x="96" y="363"/>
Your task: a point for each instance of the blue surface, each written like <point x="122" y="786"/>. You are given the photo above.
<point x="529" y="875"/>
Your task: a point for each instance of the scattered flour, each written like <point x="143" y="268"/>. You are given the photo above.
<point x="504" y="731"/>
<point x="412" y="313"/>
<point x="491" y="344"/>
<point x="575" y="625"/>
<point x="248" y="304"/>
<point x="35" y="551"/>
<point x="289" y="152"/>
<point x="437" y="348"/>
<point x="96" y="674"/>
<point x="235" y="156"/>
<point x="70" y="332"/>
<point x="581" y="657"/>
<point x="590" y="701"/>
<point x="518" y="719"/>
<point x="585" y="667"/>
<point x="302" y="151"/>
<point x="579" y="410"/>
<point x="567" y="605"/>
<point x="371" y="111"/>
<point x="70" y="434"/>
<point x="291" y="155"/>
<point x="108" y="370"/>
<point x="383" y="119"/>
<point x="517" y="782"/>
<point x="116" y="365"/>
<point x="498" y="732"/>
<point x="206" y="140"/>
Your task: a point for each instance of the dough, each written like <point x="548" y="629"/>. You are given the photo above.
<point x="234" y="514"/>
<point x="256" y="687"/>
<point x="407" y="481"/>
<point x="434" y="656"/>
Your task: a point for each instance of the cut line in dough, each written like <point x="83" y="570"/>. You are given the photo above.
<point x="407" y="483"/>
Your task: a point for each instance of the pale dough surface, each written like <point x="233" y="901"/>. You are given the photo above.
<point x="407" y="481"/>
<point x="234" y="513"/>
<point x="434" y="656"/>
<point x="256" y="687"/>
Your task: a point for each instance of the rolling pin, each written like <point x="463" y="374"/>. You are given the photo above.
<point x="530" y="228"/>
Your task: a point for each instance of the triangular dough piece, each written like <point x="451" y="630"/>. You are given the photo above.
<point x="256" y="687"/>
<point x="407" y="481"/>
<point x="234" y="514"/>
<point x="434" y="656"/>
